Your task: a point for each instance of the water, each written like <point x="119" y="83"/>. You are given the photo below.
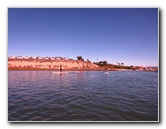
<point x="87" y="96"/>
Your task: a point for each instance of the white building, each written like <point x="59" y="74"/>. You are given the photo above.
<point x="12" y="57"/>
<point x="19" y="57"/>
<point x="26" y="57"/>
<point x="33" y="57"/>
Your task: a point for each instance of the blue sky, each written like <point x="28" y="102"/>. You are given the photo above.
<point x="127" y="35"/>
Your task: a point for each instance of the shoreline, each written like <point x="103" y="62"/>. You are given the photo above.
<point x="35" y="69"/>
<point x="46" y="69"/>
<point x="31" y="69"/>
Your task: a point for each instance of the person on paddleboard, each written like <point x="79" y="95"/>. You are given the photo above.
<point x="60" y="68"/>
<point x="106" y="69"/>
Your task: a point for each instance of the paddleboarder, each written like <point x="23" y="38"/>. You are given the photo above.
<point x="106" y="69"/>
<point x="60" y="68"/>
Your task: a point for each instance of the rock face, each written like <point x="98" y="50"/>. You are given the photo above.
<point x="51" y="64"/>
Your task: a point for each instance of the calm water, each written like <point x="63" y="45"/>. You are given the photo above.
<point x="87" y="96"/>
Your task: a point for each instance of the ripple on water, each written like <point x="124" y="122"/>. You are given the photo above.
<point x="88" y="96"/>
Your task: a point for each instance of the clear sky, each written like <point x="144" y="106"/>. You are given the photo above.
<point x="127" y="35"/>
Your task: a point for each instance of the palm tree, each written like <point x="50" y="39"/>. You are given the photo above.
<point x="118" y="63"/>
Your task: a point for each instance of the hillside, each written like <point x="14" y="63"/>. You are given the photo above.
<point x="41" y="64"/>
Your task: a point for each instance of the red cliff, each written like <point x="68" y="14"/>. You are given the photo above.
<point x="41" y="64"/>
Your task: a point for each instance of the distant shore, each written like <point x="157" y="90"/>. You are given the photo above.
<point x="70" y="65"/>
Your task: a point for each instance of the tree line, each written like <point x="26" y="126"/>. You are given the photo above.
<point x="109" y="65"/>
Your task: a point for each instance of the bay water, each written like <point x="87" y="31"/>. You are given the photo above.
<point x="85" y="96"/>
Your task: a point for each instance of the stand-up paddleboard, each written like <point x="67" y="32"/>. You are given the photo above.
<point x="59" y="72"/>
<point x="106" y="72"/>
<point x="78" y="71"/>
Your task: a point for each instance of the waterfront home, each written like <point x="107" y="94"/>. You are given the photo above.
<point x="46" y="58"/>
<point x="65" y="58"/>
<point x="33" y="57"/>
<point x="58" y="58"/>
<point x="52" y="58"/>
<point x="26" y="57"/>
<point x="19" y="57"/>
<point x="12" y="57"/>
<point x="38" y="57"/>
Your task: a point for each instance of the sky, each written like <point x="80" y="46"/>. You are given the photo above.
<point x="124" y="35"/>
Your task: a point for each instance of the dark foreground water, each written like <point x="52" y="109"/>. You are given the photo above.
<point x="87" y="96"/>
